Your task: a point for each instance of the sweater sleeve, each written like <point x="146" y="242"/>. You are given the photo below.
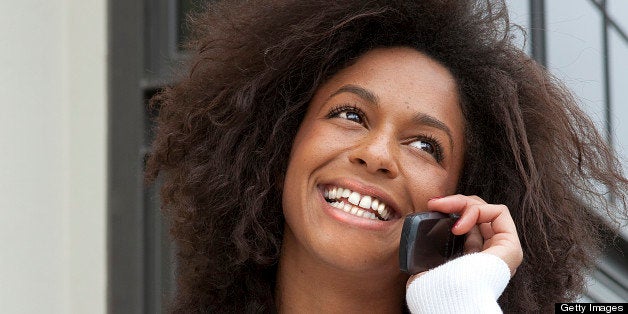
<point x="468" y="284"/>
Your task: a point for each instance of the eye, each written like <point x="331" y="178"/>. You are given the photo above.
<point x="429" y="145"/>
<point x="347" y="112"/>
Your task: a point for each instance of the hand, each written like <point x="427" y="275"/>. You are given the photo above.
<point x="497" y="232"/>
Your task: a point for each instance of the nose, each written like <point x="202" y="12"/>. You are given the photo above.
<point x="377" y="154"/>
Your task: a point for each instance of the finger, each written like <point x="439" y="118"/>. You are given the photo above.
<point x="474" y="211"/>
<point x="459" y="204"/>
<point x="496" y="219"/>
<point x="453" y="203"/>
<point x="477" y="198"/>
<point x="474" y="241"/>
<point x="486" y="229"/>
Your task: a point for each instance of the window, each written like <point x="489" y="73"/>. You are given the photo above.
<point x="145" y="40"/>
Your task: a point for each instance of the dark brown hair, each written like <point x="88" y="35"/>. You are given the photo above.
<point x="225" y="131"/>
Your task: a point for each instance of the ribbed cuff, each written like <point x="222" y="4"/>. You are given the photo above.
<point x="469" y="284"/>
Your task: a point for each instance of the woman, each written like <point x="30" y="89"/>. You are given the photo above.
<point x="414" y="105"/>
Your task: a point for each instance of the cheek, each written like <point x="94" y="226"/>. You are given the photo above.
<point x="316" y="144"/>
<point x="429" y="187"/>
<point x="302" y="161"/>
<point x="456" y="171"/>
<point x="305" y="137"/>
<point x="301" y="148"/>
<point x="425" y="181"/>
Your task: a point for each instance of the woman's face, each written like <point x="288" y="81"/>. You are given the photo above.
<point x="386" y="130"/>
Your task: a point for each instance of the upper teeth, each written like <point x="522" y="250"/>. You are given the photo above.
<point x="366" y="202"/>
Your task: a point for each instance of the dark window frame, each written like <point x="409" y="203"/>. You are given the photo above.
<point x="142" y="51"/>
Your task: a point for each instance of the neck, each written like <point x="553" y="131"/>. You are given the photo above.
<point x="306" y="285"/>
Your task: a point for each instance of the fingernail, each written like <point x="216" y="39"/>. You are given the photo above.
<point x="456" y="225"/>
<point x="435" y="198"/>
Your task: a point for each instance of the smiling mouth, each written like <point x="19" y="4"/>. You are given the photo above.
<point x="356" y="204"/>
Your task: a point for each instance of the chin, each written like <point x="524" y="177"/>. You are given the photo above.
<point x="345" y="252"/>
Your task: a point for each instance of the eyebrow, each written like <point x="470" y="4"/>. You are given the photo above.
<point x="425" y="119"/>
<point x="359" y="91"/>
<point x="420" y="118"/>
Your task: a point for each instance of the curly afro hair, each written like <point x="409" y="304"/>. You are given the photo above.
<point x="225" y="130"/>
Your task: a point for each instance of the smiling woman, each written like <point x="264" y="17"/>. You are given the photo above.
<point x="306" y="131"/>
<point x="372" y="131"/>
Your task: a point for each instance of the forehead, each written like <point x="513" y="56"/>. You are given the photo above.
<point x="402" y="63"/>
<point x="400" y="76"/>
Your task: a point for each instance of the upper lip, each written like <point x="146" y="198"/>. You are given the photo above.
<point x="371" y="190"/>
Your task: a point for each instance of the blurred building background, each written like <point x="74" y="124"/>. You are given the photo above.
<point x="79" y="231"/>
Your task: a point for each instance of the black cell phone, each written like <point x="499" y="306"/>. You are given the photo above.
<point x="427" y="241"/>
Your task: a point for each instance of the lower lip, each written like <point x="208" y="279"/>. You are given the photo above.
<point x="344" y="217"/>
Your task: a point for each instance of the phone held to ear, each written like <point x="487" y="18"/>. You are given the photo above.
<point x="427" y="241"/>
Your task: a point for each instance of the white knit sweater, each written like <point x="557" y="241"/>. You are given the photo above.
<point x="468" y="284"/>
